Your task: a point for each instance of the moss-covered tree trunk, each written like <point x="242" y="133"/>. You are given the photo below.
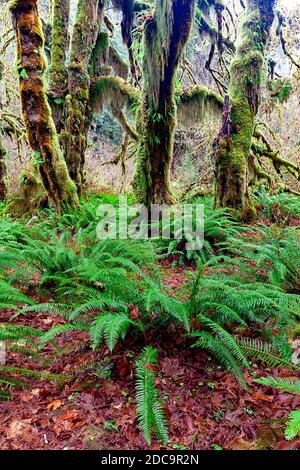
<point x="36" y="111"/>
<point x="2" y="157"/>
<point x="57" y="75"/>
<point x="232" y="146"/>
<point x="74" y="137"/>
<point x="2" y="171"/>
<point x="166" y="34"/>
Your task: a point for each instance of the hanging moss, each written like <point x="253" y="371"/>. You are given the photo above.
<point x="195" y="103"/>
<point x="100" y="53"/>
<point x="36" y="111"/>
<point x="232" y="147"/>
<point x="115" y="92"/>
<point x="118" y="64"/>
<point x="166" y="34"/>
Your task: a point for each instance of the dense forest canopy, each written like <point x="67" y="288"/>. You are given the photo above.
<point x="187" y="340"/>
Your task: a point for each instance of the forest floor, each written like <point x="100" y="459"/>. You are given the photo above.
<point x="205" y="406"/>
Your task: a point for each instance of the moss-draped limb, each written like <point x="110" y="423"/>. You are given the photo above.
<point x="166" y="34"/>
<point x="233" y="144"/>
<point x="36" y="111"/>
<point x="89" y="16"/>
<point x="263" y="148"/>
<point x="104" y="54"/>
<point x="57" y="74"/>
<point x="113" y="91"/>
<point x="256" y="172"/>
<point x="117" y="94"/>
<point x="194" y="103"/>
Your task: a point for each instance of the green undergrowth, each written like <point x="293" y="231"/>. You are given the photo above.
<point x="241" y="299"/>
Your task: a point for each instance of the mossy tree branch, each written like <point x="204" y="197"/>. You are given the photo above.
<point x="205" y="27"/>
<point x="263" y="148"/>
<point x="118" y="95"/>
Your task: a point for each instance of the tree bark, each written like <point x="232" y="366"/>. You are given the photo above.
<point x="166" y="34"/>
<point x="233" y="144"/>
<point x="42" y="135"/>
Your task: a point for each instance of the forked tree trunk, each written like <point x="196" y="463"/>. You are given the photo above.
<point x="36" y="111"/>
<point x="74" y="137"/>
<point x="232" y="146"/>
<point x="166" y="34"/>
<point x="57" y="74"/>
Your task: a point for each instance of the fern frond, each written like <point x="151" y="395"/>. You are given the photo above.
<point x="150" y="411"/>
<point x="265" y="352"/>
<point x="209" y="342"/>
<point x="58" y="330"/>
<point x="293" y="425"/>
<point x="111" y="327"/>
<point x="226" y="339"/>
<point x="286" y="385"/>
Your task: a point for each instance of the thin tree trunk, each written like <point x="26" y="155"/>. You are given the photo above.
<point x="57" y="75"/>
<point x="36" y="111"/>
<point x="166" y="34"/>
<point x="232" y="146"/>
